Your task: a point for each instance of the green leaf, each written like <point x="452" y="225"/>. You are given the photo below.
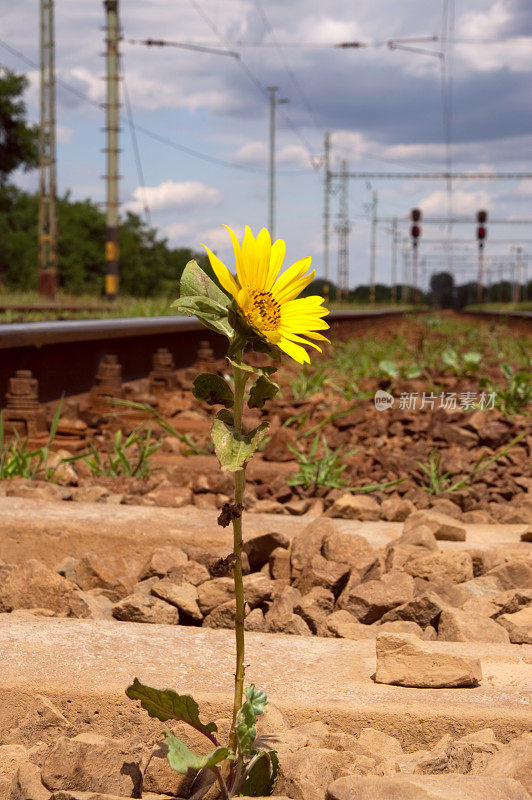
<point x="246" y="718"/>
<point x="211" y="313"/>
<point x="248" y="368"/>
<point x="389" y="368"/>
<point x="261" y="775"/>
<point x="263" y="389"/>
<point x="212" y="389"/>
<point x="232" y="448"/>
<point x="182" y="759"/>
<point x="166" y="704"/>
<point x="195" y="282"/>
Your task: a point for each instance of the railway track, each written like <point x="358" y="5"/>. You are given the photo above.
<point x="64" y="355"/>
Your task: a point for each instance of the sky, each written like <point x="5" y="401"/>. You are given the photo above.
<point x="384" y="109"/>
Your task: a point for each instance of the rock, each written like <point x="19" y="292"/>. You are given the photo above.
<point x="255" y="621"/>
<point x="425" y="787"/>
<point x="514" y="760"/>
<point x="405" y="660"/>
<point x="11" y="758"/>
<point x="456" y="625"/>
<point x="167" y="495"/>
<point x="355" y="506"/>
<point x="145" y="608"/>
<point x="450" y="593"/>
<point x="518" y="625"/>
<point x="512" y="600"/>
<point x="222" y="616"/>
<point x="280" y="564"/>
<point x="442" y="526"/>
<point x="446" y="506"/>
<point x="91" y="494"/>
<point x="260" y="547"/>
<point x="380" y="745"/>
<point x="33" y="585"/>
<point x="215" y="593"/>
<point x="401" y="626"/>
<point x="292" y="624"/>
<point x="395" y="509"/>
<point x="257" y="589"/>
<point x="161" y="561"/>
<point x="446" y="756"/>
<point x="451" y="565"/>
<point x="369" y="601"/>
<point x="305" y="774"/>
<point x="344" y="625"/>
<point x="44" y="723"/>
<point x="116" y="575"/>
<point x="159" y="777"/>
<point x="308" y="543"/>
<point x="320" y="572"/>
<point x="315" y="606"/>
<point x="27" y="784"/>
<point x="277" y="449"/>
<point x="353" y="550"/>
<point x="423" y="610"/>
<point x="183" y="596"/>
<point x="419" y="536"/>
<point x="93" y="763"/>
<point x="193" y="572"/>
<point x="514" y="574"/>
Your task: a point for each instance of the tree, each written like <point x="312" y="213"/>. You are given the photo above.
<point x="442" y="289"/>
<point x="18" y="140"/>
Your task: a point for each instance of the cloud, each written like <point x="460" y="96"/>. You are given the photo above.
<point x="463" y="202"/>
<point x="171" y="195"/>
<point x="257" y="154"/>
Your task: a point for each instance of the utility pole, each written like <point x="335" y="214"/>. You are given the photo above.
<point x="404" y="287"/>
<point x="112" y="107"/>
<point x="343" y="228"/>
<point x="47" y="236"/>
<point x="326" y="208"/>
<point x="271" y="206"/>
<point x="373" y="247"/>
<point x="394" y="260"/>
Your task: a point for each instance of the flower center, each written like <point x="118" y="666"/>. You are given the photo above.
<point x="263" y="311"/>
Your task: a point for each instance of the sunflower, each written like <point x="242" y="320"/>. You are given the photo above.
<point x="268" y="301"/>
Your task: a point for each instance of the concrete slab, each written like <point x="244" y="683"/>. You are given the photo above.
<point x="52" y="530"/>
<point x="84" y="667"/>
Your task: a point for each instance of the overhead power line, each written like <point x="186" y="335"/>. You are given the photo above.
<point x="152" y="134"/>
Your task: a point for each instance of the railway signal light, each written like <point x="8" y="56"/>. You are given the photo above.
<point x="415" y="229"/>
<point x="482" y="231"/>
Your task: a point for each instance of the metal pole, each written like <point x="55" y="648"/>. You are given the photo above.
<point x="480" y="271"/>
<point x="373" y="248"/>
<point x="47" y="235"/>
<point x="414" y="270"/>
<point x="394" y="260"/>
<point x="271" y="215"/>
<point x="326" y="206"/>
<point x="112" y="130"/>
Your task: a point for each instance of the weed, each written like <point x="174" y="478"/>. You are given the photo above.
<point x="307" y="383"/>
<point x="516" y="394"/>
<point x="121" y="460"/>
<point x="439" y="483"/>
<point x="313" y="471"/>
<point x="164" y="424"/>
<point x="18" y="461"/>
<point x="461" y="363"/>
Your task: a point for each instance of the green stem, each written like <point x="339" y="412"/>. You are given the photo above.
<point x="240" y="482"/>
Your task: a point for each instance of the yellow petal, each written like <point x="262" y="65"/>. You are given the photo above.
<point x="263" y="251"/>
<point x="293" y="289"/>
<point x="295" y="351"/>
<point x="276" y="262"/>
<point x="236" y="247"/>
<point x="222" y="273"/>
<point x="290" y="275"/>
<point x="293" y="337"/>
<point x="248" y="261"/>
